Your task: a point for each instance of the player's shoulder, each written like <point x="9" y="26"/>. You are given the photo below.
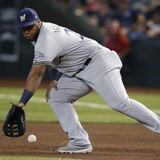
<point x="52" y="27"/>
<point x="47" y="30"/>
<point x="47" y="34"/>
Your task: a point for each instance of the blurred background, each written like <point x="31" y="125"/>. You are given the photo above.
<point x="130" y="27"/>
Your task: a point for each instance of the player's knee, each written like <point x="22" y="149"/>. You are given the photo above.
<point x="57" y="97"/>
<point x="121" y="104"/>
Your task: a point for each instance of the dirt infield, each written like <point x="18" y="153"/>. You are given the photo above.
<point x="110" y="142"/>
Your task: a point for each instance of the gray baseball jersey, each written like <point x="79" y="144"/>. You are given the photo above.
<point x="63" y="49"/>
<point x="67" y="51"/>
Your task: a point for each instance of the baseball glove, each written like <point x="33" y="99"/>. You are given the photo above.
<point x="14" y="125"/>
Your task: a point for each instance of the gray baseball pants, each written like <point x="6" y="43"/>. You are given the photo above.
<point x="108" y="84"/>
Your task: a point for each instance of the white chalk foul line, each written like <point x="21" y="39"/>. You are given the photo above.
<point x="42" y="100"/>
<point x="80" y="104"/>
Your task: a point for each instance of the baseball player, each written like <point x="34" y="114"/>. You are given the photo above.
<point x="85" y="65"/>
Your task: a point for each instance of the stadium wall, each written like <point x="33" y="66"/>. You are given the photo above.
<point x="144" y="66"/>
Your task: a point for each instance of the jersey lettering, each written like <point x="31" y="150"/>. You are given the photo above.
<point x="56" y="29"/>
<point x="68" y="30"/>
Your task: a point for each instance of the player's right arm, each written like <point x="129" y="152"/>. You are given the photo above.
<point x="33" y="81"/>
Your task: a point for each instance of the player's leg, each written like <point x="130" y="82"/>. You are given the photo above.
<point x="103" y="75"/>
<point x="69" y="90"/>
<point x="115" y="95"/>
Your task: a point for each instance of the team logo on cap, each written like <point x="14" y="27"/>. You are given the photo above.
<point x="23" y="17"/>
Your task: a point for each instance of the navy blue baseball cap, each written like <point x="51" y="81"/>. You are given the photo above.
<point x="27" y="17"/>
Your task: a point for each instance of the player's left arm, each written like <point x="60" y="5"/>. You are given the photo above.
<point x="54" y="75"/>
<point x="33" y="81"/>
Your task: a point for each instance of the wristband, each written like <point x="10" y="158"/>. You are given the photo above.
<point x="25" y="96"/>
<point x="53" y="75"/>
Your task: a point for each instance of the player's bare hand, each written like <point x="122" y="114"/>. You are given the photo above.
<point x="51" y="84"/>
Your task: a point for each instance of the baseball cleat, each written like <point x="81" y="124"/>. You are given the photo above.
<point x="69" y="148"/>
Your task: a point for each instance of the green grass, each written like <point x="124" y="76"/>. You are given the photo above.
<point x="30" y="158"/>
<point x="37" y="111"/>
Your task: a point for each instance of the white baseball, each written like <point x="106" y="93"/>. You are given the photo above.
<point x="32" y="138"/>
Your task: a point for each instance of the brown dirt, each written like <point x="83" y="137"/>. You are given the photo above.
<point x="110" y="142"/>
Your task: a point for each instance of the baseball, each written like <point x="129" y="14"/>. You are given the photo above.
<point x="32" y="138"/>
